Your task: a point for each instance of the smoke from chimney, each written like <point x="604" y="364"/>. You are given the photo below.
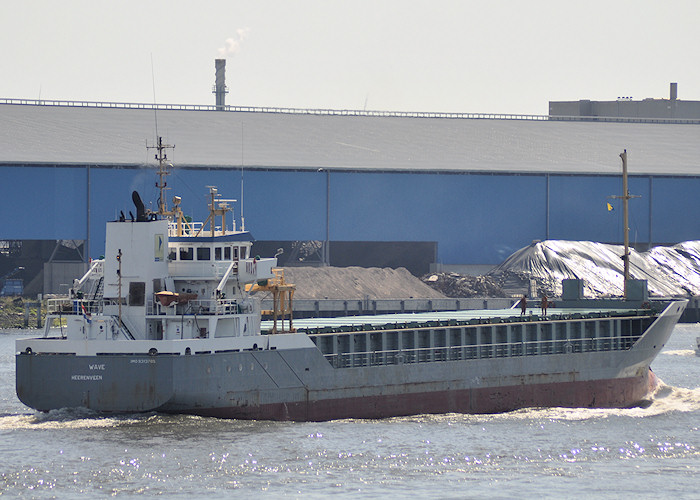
<point x="233" y="45"/>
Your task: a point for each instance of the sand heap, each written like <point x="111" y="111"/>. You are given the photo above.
<point x="460" y="286"/>
<point x="357" y="283"/>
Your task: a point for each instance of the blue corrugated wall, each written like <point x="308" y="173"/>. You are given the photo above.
<point x="475" y="218"/>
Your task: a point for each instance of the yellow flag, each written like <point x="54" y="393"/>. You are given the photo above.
<point x="610" y="207"/>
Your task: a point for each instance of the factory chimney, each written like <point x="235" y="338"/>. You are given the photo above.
<point x="220" y="89"/>
<point x="674" y="91"/>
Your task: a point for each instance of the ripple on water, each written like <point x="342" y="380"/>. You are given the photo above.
<point x="680" y="352"/>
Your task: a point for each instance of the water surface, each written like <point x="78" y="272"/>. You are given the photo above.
<point x="549" y="453"/>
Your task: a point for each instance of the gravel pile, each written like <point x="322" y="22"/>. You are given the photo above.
<point x="357" y="283"/>
<point x="462" y="286"/>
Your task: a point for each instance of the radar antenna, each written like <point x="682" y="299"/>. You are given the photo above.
<point x="217" y="206"/>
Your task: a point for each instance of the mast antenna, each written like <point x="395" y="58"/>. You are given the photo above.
<point x="242" y="163"/>
<point x="164" y="168"/>
<point x="153" y="84"/>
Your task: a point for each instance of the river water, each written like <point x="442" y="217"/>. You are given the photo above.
<point x="548" y="453"/>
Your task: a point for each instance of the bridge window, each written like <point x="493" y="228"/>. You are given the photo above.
<point x="227" y="253"/>
<point x="203" y="253"/>
<point x="187" y="253"/>
<point x="217" y="253"/>
<point x="172" y="253"/>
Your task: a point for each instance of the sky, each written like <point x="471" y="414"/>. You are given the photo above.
<point x="490" y="56"/>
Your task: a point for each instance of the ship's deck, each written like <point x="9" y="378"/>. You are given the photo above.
<point x="464" y="317"/>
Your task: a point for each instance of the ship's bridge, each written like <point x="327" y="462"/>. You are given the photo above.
<point x="209" y="257"/>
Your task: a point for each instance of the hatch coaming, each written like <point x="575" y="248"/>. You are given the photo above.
<point x="415" y="343"/>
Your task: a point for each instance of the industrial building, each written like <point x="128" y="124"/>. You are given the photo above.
<point x="459" y="189"/>
<point x="627" y="107"/>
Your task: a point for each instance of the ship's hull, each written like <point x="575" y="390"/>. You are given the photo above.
<point x="610" y="393"/>
<point x="243" y="385"/>
<point x="288" y="382"/>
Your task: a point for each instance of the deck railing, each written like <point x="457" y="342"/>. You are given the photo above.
<point x="203" y="307"/>
<point x="87" y="307"/>
<point x="190" y="229"/>
<point x="485" y="351"/>
<point x="67" y="306"/>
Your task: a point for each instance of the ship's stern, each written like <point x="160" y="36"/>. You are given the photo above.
<point x="121" y="383"/>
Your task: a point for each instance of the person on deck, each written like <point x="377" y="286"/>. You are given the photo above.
<point x="543" y="304"/>
<point x="523" y="305"/>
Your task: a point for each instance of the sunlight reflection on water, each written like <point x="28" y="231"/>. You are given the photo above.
<point x="550" y="452"/>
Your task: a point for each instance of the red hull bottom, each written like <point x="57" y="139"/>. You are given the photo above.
<point x="612" y="393"/>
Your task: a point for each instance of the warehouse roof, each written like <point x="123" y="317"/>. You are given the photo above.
<point x="116" y="134"/>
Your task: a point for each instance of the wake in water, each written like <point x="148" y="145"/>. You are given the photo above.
<point x="680" y="352"/>
<point x="665" y="399"/>
<point x="152" y="423"/>
<point x="74" y="418"/>
<point x="670" y="398"/>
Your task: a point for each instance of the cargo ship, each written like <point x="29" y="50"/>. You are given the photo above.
<point x="169" y="321"/>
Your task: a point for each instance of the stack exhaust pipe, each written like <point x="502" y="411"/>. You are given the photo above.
<point x="220" y="89"/>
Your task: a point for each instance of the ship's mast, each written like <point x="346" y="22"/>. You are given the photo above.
<point x="626" y="196"/>
<point x="164" y="169"/>
<point x="119" y="283"/>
